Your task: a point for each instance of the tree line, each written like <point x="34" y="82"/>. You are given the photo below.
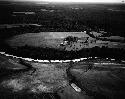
<point x="55" y="54"/>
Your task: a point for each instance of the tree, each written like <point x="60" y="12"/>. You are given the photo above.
<point x="71" y="39"/>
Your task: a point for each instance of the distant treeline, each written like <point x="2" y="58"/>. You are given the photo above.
<point x="65" y="19"/>
<point x="55" y="54"/>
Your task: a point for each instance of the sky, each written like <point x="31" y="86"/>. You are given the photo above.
<point x="99" y="1"/>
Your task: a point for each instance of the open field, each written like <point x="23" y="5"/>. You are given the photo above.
<point x="54" y="39"/>
<point x="48" y="78"/>
<point x="49" y="43"/>
<point x="54" y="79"/>
<point x="62" y="51"/>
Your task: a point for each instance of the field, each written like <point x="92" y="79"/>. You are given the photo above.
<point x="52" y="50"/>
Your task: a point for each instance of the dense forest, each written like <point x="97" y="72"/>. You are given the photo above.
<point x="55" y="54"/>
<point x="66" y="17"/>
